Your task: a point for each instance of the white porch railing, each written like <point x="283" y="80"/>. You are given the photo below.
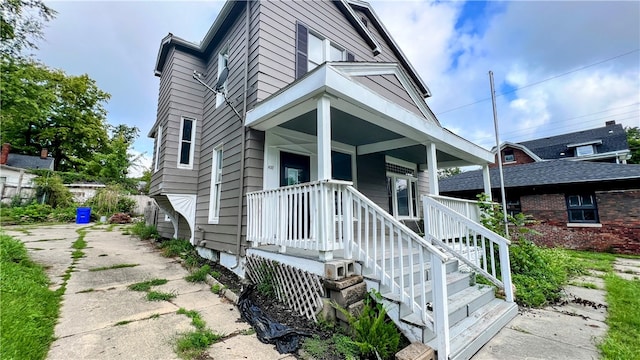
<point x="468" y="208"/>
<point x="332" y="215"/>
<point x="468" y="240"/>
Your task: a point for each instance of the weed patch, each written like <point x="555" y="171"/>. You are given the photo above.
<point x="146" y="285"/>
<point x="176" y="247"/>
<point x="623" y="299"/>
<point x="160" y="296"/>
<point x="192" y="344"/>
<point x="199" y="275"/>
<point x="112" y="267"/>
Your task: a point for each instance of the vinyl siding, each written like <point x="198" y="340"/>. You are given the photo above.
<point x="390" y="87"/>
<point x="372" y="179"/>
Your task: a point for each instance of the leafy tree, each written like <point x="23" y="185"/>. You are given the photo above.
<point x="446" y="173"/>
<point x="633" y="139"/>
<point x="21" y="25"/>
<point x="52" y="191"/>
<point x="45" y="108"/>
<point x="112" y="161"/>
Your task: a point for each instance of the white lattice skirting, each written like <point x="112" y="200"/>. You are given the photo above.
<point x="299" y="290"/>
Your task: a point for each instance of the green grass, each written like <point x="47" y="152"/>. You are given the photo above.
<point x="623" y="299"/>
<point x="112" y="267"/>
<point x="217" y="288"/>
<point x="199" y="275"/>
<point x="29" y="308"/>
<point x="175" y="247"/>
<point x="192" y="344"/>
<point x="586" y="285"/>
<point x="593" y="260"/>
<point x="160" y="296"/>
<point x="146" y="285"/>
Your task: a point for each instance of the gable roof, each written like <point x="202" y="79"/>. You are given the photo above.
<point x="524" y="149"/>
<point x="613" y="138"/>
<point x="29" y="162"/>
<point x="232" y="9"/>
<point x="551" y="172"/>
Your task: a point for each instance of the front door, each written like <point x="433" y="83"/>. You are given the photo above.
<point x="294" y="168"/>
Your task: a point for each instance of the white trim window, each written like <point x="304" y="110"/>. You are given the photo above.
<point x="187" y="142"/>
<point x="584" y="150"/>
<point x="402" y="189"/>
<point x="216" y="185"/>
<point x="223" y="62"/>
<point x="156" y="161"/>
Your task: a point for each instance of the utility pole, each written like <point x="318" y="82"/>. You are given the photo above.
<point x="499" y="155"/>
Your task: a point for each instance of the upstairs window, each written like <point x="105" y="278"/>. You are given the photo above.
<point x="312" y="50"/>
<point x="156" y="160"/>
<point x="223" y="62"/>
<point x="582" y="208"/>
<point x="187" y="143"/>
<point x="509" y="156"/>
<point x="216" y="185"/>
<point x="584" y="150"/>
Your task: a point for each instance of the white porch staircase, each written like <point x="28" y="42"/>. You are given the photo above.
<point x="423" y="287"/>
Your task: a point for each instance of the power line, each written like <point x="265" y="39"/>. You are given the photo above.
<point x="541" y="81"/>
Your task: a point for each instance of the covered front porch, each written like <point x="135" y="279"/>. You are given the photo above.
<point x="348" y="164"/>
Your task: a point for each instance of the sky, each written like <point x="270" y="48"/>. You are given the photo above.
<point x="559" y="66"/>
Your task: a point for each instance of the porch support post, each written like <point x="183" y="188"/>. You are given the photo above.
<point x="324" y="173"/>
<point x="324" y="138"/>
<point x="486" y="178"/>
<point x="432" y="168"/>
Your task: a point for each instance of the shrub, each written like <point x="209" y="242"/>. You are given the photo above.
<point x="374" y="335"/>
<point x="51" y="188"/>
<point x="66" y="214"/>
<point x="110" y="200"/>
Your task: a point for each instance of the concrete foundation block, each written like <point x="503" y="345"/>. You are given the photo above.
<point x="416" y="351"/>
<point x="343" y="283"/>
<point x="354" y="309"/>
<point x="350" y="267"/>
<point x="327" y="313"/>
<point x="334" y="270"/>
<point x="350" y="295"/>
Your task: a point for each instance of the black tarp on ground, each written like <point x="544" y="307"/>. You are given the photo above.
<point x="285" y="338"/>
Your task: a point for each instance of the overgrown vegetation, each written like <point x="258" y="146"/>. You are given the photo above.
<point x="34" y="212"/>
<point x="623" y="299"/>
<point x="160" y="296"/>
<point x="146" y="285"/>
<point x="199" y="275"/>
<point x="144" y="231"/>
<point x="29" y="308"/>
<point x="538" y="274"/>
<point x="110" y="200"/>
<point x="178" y="247"/>
<point x="192" y="344"/>
<point x="113" y="267"/>
<point x="375" y="336"/>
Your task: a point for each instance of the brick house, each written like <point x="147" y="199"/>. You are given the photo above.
<point x="578" y="204"/>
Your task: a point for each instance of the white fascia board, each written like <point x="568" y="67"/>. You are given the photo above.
<point x="374" y="69"/>
<point x="592" y="142"/>
<point x="352" y="95"/>
<point x="611" y="154"/>
<point x="263" y="116"/>
<point x="376" y="49"/>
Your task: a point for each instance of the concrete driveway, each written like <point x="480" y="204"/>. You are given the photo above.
<point x="100" y="318"/>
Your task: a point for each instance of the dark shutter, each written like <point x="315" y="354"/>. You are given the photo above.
<point x="350" y="57"/>
<point x="301" y="50"/>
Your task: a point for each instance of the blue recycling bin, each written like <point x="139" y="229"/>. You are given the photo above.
<point x="83" y="215"/>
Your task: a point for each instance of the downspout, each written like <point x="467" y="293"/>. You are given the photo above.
<point x="244" y="135"/>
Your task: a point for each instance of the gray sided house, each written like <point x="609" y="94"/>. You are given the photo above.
<point x="318" y="151"/>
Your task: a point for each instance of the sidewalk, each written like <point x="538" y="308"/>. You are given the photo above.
<point x="100" y="318"/>
<point x="568" y="331"/>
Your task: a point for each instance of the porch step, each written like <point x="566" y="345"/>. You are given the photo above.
<point x="451" y="266"/>
<point x="456" y="282"/>
<point x="470" y="334"/>
<point x="461" y="304"/>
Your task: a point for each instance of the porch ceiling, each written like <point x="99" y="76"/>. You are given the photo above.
<point x="362" y="118"/>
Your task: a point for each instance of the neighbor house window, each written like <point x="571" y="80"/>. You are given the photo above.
<point x="513" y="206"/>
<point x="216" y="185"/>
<point x="156" y="161"/>
<point x="187" y="143"/>
<point x="582" y="208"/>
<point x="223" y="61"/>
<point x="509" y="156"/>
<point x="402" y="191"/>
<point x="584" y="150"/>
<point x="312" y="49"/>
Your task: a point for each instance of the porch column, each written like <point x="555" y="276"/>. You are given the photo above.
<point x="325" y="218"/>
<point x="486" y="179"/>
<point x="324" y="138"/>
<point x="432" y="168"/>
